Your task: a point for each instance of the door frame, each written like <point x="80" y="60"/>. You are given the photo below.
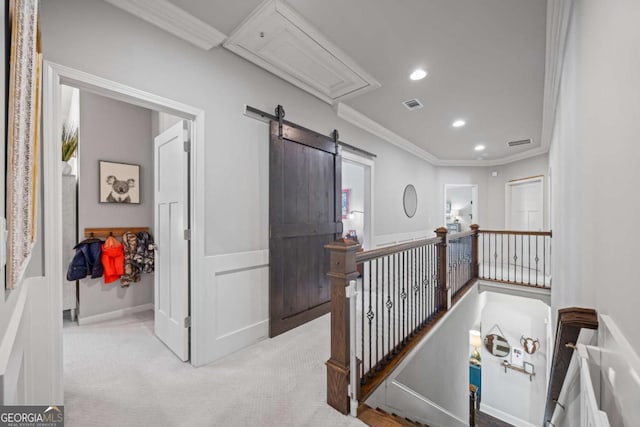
<point x="474" y="198"/>
<point x="508" y="187"/>
<point x="368" y="165"/>
<point x="56" y="75"/>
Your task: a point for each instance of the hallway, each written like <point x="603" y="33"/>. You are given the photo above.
<point x="118" y="373"/>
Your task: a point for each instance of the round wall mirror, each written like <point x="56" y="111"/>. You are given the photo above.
<point x="497" y="345"/>
<point x="410" y="200"/>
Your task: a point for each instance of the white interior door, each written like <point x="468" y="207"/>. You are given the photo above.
<point x="171" y="219"/>
<point x="525" y="205"/>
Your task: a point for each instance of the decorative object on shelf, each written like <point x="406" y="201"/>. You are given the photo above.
<point x="529" y="344"/>
<point x="496" y="344"/>
<point x="517" y="357"/>
<point x="352" y="235"/>
<point x="527" y="370"/>
<point x="410" y="200"/>
<point x="475" y="341"/>
<point x="119" y="183"/>
<point x="346" y="195"/>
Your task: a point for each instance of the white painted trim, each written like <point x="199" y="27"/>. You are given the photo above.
<point x="496" y="413"/>
<point x="397" y="238"/>
<point x="55" y="75"/>
<point x="508" y="188"/>
<point x="358" y="119"/>
<point x="542" y="294"/>
<point x="13" y="325"/>
<point x="474" y="198"/>
<point x="417" y="396"/>
<point x="169" y="17"/>
<point x="251" y="23"/>
<point x="116" y="314"/>
<point x="369" y="205"/>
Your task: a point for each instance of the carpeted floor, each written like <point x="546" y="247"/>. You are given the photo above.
<point x="118" y="373"/>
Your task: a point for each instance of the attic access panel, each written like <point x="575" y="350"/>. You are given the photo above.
<point x="278" y="39"/>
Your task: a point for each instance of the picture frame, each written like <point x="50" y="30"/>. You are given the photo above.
<point x="529" y="368"/>
<point x="119" y="183"/>
<point x="517" y="357"/>
<point x="23" y="135"/>
<point x="346" y="196"/>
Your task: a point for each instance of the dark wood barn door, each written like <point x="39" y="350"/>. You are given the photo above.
<point x="304" y="214"/>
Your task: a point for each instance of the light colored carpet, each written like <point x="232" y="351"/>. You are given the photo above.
<point x="118" y="373"/>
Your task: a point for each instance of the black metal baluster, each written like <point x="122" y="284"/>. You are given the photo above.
<point x="529" y="258"/>
<point x="521" y="258"/>
<point x="382" y="316"/>
<point x="502" y="256"/>
<point x="362" y="377"/>
<point x="370" y="314"/>
<point x="544" y="261"/>
<point x="536" y="259"/>
<point x="388" y="304"/>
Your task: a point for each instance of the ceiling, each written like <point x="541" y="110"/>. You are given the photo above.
<point x="485" y="59"/>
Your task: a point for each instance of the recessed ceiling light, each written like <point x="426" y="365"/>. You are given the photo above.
<point x="458" y="123"/>
<point x="418" y="74"/>
<point x="479" y="147"/>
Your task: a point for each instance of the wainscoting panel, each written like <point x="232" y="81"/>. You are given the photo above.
<point x="397" y="238"/>
<point x="237" y="294"/>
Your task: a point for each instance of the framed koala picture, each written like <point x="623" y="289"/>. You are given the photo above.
<point x="119" y="183"/>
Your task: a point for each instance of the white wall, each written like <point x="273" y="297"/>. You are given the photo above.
<point x="511" y="396"/>
<point x="140" y="55"/>
<point x="114" y="131"/>
<point x="439" y="371"/>
<point x="594" y="159"/>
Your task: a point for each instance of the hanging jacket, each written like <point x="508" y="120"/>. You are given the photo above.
<point x="144" y="257"/>
<point x="112" y="260"/>
<point x="86" y="261"/>
<point x="131" y="269"/>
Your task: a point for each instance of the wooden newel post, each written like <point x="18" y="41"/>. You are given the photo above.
<point x="474" y="253"/>
<point x="342" y="269"/>
<point x="443" y="286"/>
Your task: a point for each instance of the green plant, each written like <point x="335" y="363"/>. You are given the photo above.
<point x="69" y="142"/>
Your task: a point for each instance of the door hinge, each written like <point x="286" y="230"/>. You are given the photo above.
<point x="187" y="322"/>
<point x="187" y="146"/>
<point x="187" y="234"/>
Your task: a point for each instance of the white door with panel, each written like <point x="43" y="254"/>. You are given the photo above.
<point x="171" y="222"/>
<point x="525" y="212"/>
<point x="525" y="205"/>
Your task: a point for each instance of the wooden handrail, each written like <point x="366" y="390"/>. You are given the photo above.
<point x="343" y="261"/>
<point x="518" y="232"/>
<point x="570" y="322"/>
<point x="388" y="250"/>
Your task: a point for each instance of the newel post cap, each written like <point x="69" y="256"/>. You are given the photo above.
<point x="474" y="227"/>
<point x="440" y="231"/>
<point x="345" y="245"/>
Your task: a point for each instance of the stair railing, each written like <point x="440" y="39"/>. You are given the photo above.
<point x="383" y="301"/>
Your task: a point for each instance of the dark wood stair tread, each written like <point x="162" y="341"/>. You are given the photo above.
<point x="380" y="418"/>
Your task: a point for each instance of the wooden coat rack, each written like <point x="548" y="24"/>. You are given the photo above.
<point x="105" y="232"/>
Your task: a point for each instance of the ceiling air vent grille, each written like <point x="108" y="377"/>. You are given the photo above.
<point x="520" y="142"/>
<point x="413" y="104"/>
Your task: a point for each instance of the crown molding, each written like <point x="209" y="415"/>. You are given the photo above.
<point x="358" y="119"/>
<point x="559" y="14"/>
<point x="171" y="18"/>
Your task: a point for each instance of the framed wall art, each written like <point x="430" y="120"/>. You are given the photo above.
<point x="346" y="194"/>
<point x="23" y="133"/>
<point x="119" y="183"/>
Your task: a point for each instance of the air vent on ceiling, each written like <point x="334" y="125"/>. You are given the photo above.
<point x="413" y="104"/>
<point x="520" y="142"/>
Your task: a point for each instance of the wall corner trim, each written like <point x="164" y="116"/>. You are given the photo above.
<point x="358" y="119"/>
<point x="171" y="18"/>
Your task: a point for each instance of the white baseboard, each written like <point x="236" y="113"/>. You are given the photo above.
<point x="116" y="314"/>
<point x="496" y="413"/>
